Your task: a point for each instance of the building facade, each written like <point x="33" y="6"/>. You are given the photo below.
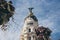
<point x="30" y="24"/>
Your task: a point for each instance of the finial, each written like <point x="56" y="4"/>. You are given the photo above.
<point x="30" y="9"/>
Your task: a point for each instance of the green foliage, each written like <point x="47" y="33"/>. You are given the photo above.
<point x="6" y="11"/>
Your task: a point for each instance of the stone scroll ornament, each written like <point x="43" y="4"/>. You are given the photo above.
<point x="6" y="11"/>
<point x="43" y="33"/>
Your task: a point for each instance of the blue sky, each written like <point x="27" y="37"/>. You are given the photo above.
<point x="47" y="12"/>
